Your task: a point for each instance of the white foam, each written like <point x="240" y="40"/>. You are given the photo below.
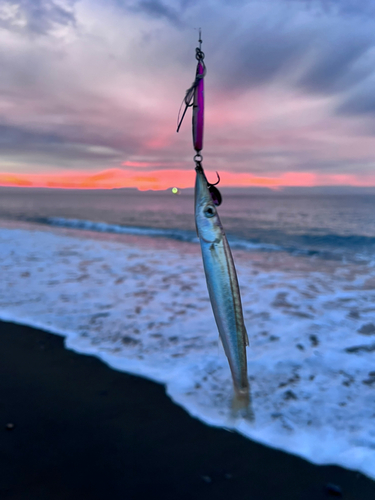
<point x="146" y="311"/>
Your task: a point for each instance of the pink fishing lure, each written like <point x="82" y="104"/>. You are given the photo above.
<point x="198" y="110"/>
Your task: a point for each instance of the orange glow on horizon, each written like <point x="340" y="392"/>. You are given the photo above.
<point x="164" y="179"/>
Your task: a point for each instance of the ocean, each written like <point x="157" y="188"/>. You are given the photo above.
<point x="119" y="274"/>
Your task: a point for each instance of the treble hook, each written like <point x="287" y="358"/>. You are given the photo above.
<point x="217" y="182"/>
<point x="190" y="95"/>
<point x="214" y="192"/>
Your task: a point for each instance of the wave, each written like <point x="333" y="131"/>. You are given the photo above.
<point x="176" y="234"/>
<point x="338" y="240"/>
<point x="357" y="248"/>
<point x="103" y="227"/>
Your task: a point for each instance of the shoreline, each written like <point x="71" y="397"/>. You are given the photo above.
<point x="84" y="430"/>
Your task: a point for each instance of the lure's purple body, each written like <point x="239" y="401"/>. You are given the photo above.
<point x="198" y="111"/>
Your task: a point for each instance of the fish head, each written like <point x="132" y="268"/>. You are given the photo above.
<point x="207" y="220"/>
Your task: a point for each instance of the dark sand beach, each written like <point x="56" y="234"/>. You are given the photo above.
<point x="84" y="431"/>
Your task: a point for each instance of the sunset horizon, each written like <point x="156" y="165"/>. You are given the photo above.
<point x="90" y="94"/>
<point x="161" y="180"/>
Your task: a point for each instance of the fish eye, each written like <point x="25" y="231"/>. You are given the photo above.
<point x="209" y="211"/>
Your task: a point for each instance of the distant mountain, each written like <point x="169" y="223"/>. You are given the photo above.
<point x="293" y="191"/>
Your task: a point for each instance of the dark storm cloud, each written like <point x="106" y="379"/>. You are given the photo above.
<point x="40" y="16"/>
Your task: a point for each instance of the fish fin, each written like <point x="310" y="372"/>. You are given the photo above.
<point x="241" y="405"/>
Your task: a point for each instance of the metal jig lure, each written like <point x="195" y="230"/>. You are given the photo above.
<point x="194" y="97"/>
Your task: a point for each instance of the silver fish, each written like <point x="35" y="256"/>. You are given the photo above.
<point x="223" y="290"/>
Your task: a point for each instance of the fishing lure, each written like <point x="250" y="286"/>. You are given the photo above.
<point x="194" y="97"/>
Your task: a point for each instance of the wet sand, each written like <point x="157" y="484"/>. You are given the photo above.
<point x="84" y="431"/>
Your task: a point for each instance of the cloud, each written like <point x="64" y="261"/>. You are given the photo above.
<point x="360" y="101"/>
<point x="260" y="57"/>
<point x="285" y="82"/>
<point x="36" y="16"/>
<point x="25" y="149"/>
<point x="297" y="43"/>
<point x="336" y="68"/>
<point x="157" y="9"/>
<point x="343" y="7"/>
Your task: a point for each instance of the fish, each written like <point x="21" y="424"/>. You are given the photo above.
<point x="224" y="292"/>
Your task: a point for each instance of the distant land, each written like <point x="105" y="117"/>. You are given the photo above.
<point x="298" y="190"/>
<point x="293" y="191"/>
<point x="252" y="190"/>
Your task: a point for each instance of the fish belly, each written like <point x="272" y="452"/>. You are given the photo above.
<point x="225" y="299"/>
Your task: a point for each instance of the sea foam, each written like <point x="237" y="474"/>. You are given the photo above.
<point x="144" y="309"/>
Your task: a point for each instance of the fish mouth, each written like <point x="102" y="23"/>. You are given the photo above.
<point x="206" y="188"/>
<point x="202" y="194"/>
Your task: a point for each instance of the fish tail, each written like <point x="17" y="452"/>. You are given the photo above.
<point x="241" y="404"/>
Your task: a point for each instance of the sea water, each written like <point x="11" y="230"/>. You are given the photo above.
<point x="119" y="274"/>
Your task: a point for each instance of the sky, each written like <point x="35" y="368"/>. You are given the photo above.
<point x="90" y="92"/>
